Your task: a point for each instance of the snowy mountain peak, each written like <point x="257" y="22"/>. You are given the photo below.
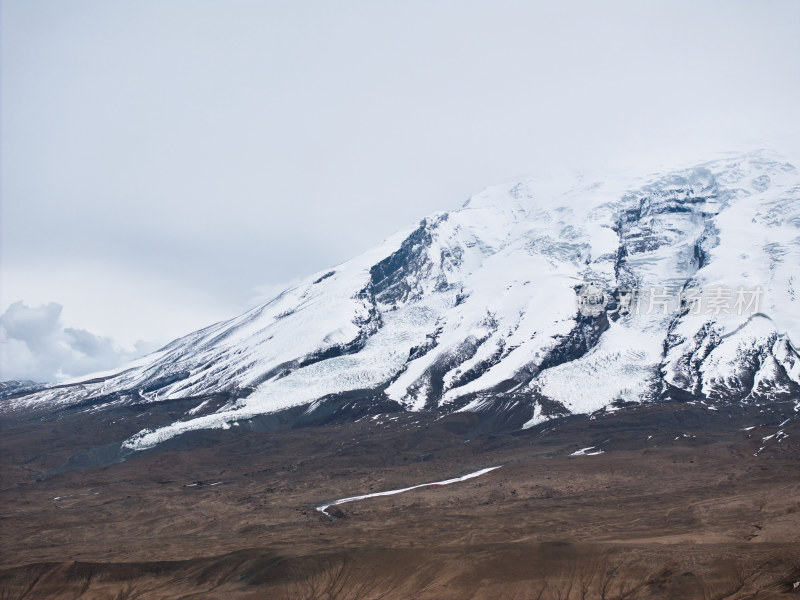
<point x="536" y="297"/>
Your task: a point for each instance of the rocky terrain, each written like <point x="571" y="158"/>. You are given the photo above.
<point x="666" y="500"/>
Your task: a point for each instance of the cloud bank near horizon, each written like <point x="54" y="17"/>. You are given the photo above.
<point x="36" y="345"/>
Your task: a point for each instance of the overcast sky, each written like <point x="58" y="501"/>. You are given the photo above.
<point x="168" y="163"/>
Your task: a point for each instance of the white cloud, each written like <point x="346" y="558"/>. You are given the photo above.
<point x="36" y="345"/>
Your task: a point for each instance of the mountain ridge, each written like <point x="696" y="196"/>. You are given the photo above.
<point x="545" y="303"/>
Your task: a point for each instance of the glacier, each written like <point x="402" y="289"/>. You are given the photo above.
<point x="540" y="296"/>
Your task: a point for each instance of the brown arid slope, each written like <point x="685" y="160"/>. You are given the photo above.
<point x="684" y="502"/>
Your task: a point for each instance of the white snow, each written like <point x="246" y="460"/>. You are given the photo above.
<point x="537" y="418"/>
<point x="585" y="452"/>
<point x="76" y="495"/>
<point x="325" y="507"/>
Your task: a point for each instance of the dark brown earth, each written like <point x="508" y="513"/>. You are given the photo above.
<point x="694" y="517"/>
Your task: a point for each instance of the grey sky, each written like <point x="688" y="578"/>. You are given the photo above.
<point x="162" y="159"/>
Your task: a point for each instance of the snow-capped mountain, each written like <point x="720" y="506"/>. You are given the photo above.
<point x="544" y="297"/>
